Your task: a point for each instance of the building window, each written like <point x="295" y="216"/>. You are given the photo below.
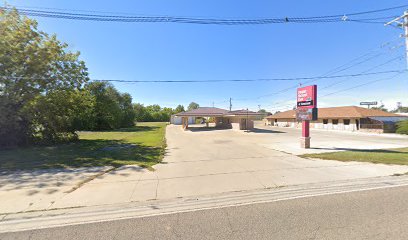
<point x="346" y="121"/>
<point x="325" y="121"/>
<point x="335" y="121"/>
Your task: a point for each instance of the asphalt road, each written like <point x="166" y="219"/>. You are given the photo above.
<point x="374" y="214"/>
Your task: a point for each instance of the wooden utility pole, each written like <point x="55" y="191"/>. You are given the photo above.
<point x="402" y="21"/>
<point x="230" y="104"/>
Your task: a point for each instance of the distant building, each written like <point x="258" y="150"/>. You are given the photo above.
<point x="237" y="120"/>
<point x="349" y="118"/>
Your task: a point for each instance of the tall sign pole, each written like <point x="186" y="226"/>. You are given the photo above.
<point x="306" y="111"/>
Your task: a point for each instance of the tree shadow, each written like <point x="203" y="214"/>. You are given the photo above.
<point x="83" y="153"/>
<point x="133" y="129"/>
<point x="45" y="169"/>
<point x="261" y="130"/>
<point x="206" y="129"/>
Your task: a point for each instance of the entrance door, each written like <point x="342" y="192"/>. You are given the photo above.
<point x="357" y="124"/>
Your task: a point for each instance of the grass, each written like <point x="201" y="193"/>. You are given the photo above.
<point x="386" y="156"/>
<point x="143" y="145"/>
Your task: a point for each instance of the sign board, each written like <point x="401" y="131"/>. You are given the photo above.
<point x="306" y="114"/>
<point x="307" y="97"/>
<point x="368" y="103"/>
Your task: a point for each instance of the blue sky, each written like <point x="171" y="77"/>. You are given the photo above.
<point x="168" y="51"/>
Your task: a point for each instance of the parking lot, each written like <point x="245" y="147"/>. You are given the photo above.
<point x="204" y="161"/>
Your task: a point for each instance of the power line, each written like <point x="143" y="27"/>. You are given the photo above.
<point x="361" y="85"/>
<point x="221" y="80"/>
<point x="196" y="20"/>
<point x="335" y="70"/>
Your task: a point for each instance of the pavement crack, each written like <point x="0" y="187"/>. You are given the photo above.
<point x="85" y="181"/>
<point x="157" y="186"/>
<point x="134" y="189"/>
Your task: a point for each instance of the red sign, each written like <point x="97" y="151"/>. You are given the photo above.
<point x="307" y="97"/>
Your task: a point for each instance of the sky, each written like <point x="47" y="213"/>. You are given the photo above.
<point x="171" y="51"/>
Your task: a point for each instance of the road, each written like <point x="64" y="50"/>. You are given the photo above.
<point x="372" y="214"/>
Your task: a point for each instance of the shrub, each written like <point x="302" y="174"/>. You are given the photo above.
<point x="402" y="127"/>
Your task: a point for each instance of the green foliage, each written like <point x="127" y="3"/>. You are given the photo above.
<point x="381" y="107"/>
<point x="152" y="113"/>
<point x="110" y="108"/>
<point x="401" y="109"/>
<point x="179" y="108"/>
<point x="402" y="127"/>
<point x="192" y="106"/>
<point x="39" y="84"/>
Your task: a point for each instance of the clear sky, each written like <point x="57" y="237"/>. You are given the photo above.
<point x="169" y="51"/>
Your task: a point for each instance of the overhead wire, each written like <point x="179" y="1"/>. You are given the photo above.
<point x="69" y="14"/>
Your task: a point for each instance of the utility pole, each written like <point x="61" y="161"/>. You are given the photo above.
<point x="402" y="21"/>
<point x="230" y="104"/>
<point x="246" y="122"/>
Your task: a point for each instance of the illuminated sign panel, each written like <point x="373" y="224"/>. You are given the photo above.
<point x="307" y="97"/>
<point x="306" y="103"/>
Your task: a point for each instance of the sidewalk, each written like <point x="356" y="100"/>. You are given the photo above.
<point x="196" y="164"/>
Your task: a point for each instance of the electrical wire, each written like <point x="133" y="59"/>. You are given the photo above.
<point x="196" y="20"/>
<point x="223" y="80"/>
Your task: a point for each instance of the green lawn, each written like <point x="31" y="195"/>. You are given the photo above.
<point x="386" y="156"/>
<point x="143" y="145"/>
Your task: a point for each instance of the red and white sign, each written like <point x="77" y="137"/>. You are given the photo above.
<point x="307" y="97"/>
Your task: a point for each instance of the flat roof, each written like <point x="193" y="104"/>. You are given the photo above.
<point x="216" y="112"/>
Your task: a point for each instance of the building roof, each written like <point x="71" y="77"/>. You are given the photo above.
<point x="215" y="112"/>
<point x="244" y="112"/>
<point x="339" y="112"/>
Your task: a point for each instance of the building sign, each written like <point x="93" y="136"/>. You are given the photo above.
<point x="307" y="97"/>
<point x="368" y="103"/>
<point x="306" y="114"/>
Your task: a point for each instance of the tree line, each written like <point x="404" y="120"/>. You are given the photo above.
<point x="46" y="95"/>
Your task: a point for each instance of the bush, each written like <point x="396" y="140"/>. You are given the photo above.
<point x="402" y="127"/>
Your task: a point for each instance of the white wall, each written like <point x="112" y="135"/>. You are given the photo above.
<point x="178" y="120"/>
<point x="318" y="124"/>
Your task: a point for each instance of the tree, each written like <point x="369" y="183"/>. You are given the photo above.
<point x="381" y="107"/>
<point x="38" y="74"/>
<point x="402" y="127"/>
<point x="264" y="112"/>
<point x="111" y="109"/>
<point x="179" y="108"/>
<point x="192" y="106"/>
<point x="401" y="109"/>
<point x="128" y="114"/>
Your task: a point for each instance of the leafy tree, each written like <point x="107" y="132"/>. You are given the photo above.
<point x="192" y="106"/>
<point x="38" y="75"/>
<point x="381" y="107"/>
<point x="141" y="113"/>
<point x="179" y="108"/>
<point x="402" y="127"/>
<point x="264" y="112"/>
<point x="401" y="110"/>
<point x="128" y="114"/>
<point x="111" y="109"/>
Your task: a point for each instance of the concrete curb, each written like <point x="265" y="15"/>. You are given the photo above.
<point x="74" y="216"/>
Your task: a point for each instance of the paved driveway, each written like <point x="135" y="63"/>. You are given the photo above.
<point x="202" y="162"/>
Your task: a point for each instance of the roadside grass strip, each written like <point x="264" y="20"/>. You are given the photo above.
<point x="397" y="156"/>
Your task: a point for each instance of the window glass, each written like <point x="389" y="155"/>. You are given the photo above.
<point x="325" y="121"/>
<point x="346" y="121"/>
<point x="335" y="121"/>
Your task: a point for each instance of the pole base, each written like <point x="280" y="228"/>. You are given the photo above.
<point x="305" y="142"/>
